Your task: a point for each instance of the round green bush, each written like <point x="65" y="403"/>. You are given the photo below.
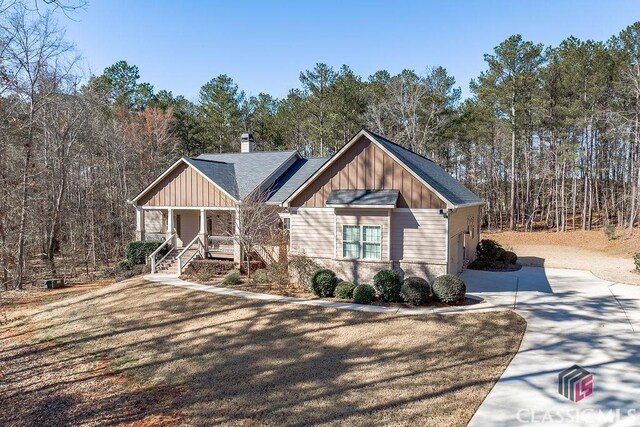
<point x="261" y="276"/>
<point x="448" y="289"/>
<point x="323" y="282"/>
<point x="124" y="264"/>
<point x="232" y="278"/>
<point x="415" y="291"/>
<point x="138" y="251"/>
<point x="364" y="294"/>
<point x="489" y="251"/>
<point x="509" y="257"/>
<point x="344" y="290"/>
<point x="388" y="283"/>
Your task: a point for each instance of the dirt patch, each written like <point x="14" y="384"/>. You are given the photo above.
<point x="584" y="250"/>
<point x="172" y="355"/>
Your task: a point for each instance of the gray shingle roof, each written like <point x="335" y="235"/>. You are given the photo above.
<point x="222" y="174"/>
<point x="438" y="178"/>
<point x="363" y="197"/>
<point x="249" y="170"/>
<point x="294" y="177"/>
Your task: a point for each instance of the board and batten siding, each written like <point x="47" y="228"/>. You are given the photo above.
<point x="312" y="232"/>
<point x="185" y="186"/>
<point x="418" y="235"/>
<point x="379" y="217"/>
<point x="366" y="166"/>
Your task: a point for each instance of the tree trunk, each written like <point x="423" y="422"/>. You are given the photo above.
<point x="22" y="228"/>
<point x="512" y="223"/>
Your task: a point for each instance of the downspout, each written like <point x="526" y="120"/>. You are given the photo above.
<point x="446" y="250"/>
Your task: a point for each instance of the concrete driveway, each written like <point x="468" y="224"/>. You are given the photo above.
<point x="572" y="318"/>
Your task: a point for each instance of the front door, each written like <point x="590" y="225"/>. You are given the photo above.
<point x="187" y="226"/>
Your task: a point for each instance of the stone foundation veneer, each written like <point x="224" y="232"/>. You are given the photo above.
<point x="362" y="271"/>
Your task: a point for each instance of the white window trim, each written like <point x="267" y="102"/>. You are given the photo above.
<point x="361" y="242"/>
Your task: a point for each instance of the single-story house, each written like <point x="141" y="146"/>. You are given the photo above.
<point x="372" y="205"/>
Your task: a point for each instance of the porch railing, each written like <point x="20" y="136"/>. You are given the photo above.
<point x="153" y="258"/>
<point x="199" y="251"/>
<point x="154" y="236"/>
<point x="220" y="243"/>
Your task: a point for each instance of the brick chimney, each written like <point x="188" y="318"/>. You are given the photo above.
<point x="246" y="143"/>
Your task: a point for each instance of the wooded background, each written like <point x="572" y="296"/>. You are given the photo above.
<point x="549" y="138"/>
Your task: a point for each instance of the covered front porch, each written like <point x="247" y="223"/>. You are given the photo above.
<point x="207" y="231"/>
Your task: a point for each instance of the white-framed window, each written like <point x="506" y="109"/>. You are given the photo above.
<point x="362" y="241"/>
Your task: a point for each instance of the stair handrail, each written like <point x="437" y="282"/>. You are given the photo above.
<point x="263" y="253"/>
<point x="182" y="265"/>
<point x="154" y="254"/>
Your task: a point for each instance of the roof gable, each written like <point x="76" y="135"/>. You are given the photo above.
<point x="183" y="184"/>
<point x="363" y="165"/>
<point x="433" y="174"/>
<point x="430" y="175"/>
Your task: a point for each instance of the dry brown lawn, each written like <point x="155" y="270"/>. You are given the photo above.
<point x="135" y="353"/>
<point x="585" y="250"/>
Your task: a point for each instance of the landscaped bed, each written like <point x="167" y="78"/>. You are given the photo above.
<point x="388" y="288"/>
<point x="298" y="291"/>
<point x="135" y="352"/>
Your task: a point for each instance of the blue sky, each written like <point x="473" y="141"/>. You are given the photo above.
<point x="263" y="46"/>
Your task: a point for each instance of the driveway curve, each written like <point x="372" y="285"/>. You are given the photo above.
<point x="573" y="318"/>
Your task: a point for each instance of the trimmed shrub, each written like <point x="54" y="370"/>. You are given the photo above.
<point x="509" y="257"/>
<point x="489" y="251"/>
<point x="323" y="282"/>
<point x="448" y="289"/>
<point x="388" y="283"/>
<point x="232" y="278"/>
<point x="124" y="264"/>
<point x="209" y="267"/>
<point x="415" y="290"/>
<point x="139" y="250"/>
<point x="261" y="276"/>
<point x="636" y="260"/>
<point x="364" y="294"/>
<point x="344" y="290"/>
<point x="477" y="265"/>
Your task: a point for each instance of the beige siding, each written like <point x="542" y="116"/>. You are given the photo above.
<point x="463" y="236"/>
<point x="154" y="222"/>
<point x="185" y="186"/>
<point x="363" y="217"/>
<point x="418" y="235"/>
<point x="365" y="166"/>
<point x="312" y="232"/>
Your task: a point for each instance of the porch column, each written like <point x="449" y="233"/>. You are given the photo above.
<point x="237" y="250"/>
<point x="171" y="228"/>
<point x="203" y="231"/>
<point x="139" y="223"/>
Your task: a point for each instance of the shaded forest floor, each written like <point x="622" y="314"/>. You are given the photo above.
<point x="585" y="250"/>
<point x="141" y="354"/>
